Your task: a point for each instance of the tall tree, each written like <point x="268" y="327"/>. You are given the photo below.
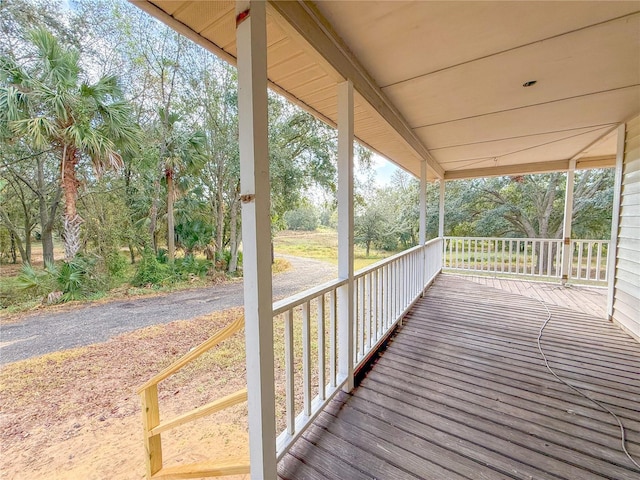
<point x="182" y="156"/>
<point x="30" y="187"/>
<point x="46" y="102"/>
<point x="533" y="205"/>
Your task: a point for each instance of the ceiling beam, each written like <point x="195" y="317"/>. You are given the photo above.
<point x="316" y="30"/>
<point x="607" y="161"/>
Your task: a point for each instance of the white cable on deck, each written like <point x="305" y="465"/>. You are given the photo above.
<point x="578" y="391"/>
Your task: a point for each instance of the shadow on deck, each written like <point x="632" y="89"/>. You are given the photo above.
<point x="461" y="391"/>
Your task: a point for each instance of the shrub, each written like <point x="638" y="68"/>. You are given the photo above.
<point x="189" y="265"/>
<point x="225" y="259"/>
<point x="37" y="282"/>
<point x="150" y="270"/>
<point x="76" y="279"/>
<point x="303" y="218"/>
<point x="116" y="265"/>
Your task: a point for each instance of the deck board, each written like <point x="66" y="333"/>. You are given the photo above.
<point x="461" y="391"/>
<point x="586" y="299"/>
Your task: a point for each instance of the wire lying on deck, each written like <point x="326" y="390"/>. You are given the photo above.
<point x="577" y="390"/>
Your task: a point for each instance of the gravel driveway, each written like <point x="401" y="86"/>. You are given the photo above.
<point x="49" y="332"/>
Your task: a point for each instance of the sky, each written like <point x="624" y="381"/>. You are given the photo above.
<point x="383" y="169"/>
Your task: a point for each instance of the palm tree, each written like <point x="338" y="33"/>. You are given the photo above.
<point x="47" y="103"/>
<point x="181" y="155"/>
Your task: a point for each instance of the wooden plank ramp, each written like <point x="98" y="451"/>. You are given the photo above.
<point x="461" y="392"/>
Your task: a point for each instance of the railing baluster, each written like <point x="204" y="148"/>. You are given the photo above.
<point x="589" y="252"/>
<point x="475" y="254"/>
<point x="367" y="310"/>
<point x="321" y="345"/>
<point x="361" y="323"/>
<point x="306" y="356"/>
<point x="386" y="296"/>
<point x="379" y="301"/>
<point x="540" y="258"/>
<point x="333" y="313"/>
<point x="605" y="278"/>
<point x="487" y="243"/>
<point x="356" y="323"/>
<point x="598" y="260"/>
<point x="579" y="244"/>
<point x="289" y="372"/>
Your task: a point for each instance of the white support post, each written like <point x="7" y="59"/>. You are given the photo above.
<point x="615" y="217"/>
<point x="345" y="233"/>
<point x="251" y="37"/>
<point x="441" y="210"/>
<point x="566" y="229"/>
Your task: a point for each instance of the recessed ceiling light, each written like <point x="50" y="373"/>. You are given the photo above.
<point x="530" y="83"/>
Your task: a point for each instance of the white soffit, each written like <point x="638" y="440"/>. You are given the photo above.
<point x="454" y="71"/>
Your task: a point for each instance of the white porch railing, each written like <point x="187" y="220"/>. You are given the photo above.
<point x="589" y="260"/>
<point x="383" y="293"/>
<point x="534" y="257"/>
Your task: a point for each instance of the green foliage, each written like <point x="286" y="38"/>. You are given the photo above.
<point x="150" y="270"/>
<point x="116" y="265"/>
<point x="530" y="205"/>
<point x="183" y="268"/>
<point x="48" y="104"/>
<point x="371" y="227"/>
<point x="155" y="270"/>
<point x="303" y="218"/>
<point x="193" y="235"/>
<point x="37" y="282"/>
<point x="225" y="258"/>
<point x="76" y="279"/>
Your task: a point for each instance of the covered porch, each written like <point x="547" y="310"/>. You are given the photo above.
<point x="461" y="391"/>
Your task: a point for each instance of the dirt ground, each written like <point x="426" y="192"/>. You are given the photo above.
<point x="76" y="414"/>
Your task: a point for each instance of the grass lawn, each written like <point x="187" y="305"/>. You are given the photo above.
<point x="322" y="244"/>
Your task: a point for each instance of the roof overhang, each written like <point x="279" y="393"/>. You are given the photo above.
<point x="442" y="82"/>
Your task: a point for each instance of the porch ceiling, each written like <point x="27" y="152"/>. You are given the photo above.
<point x="446" y="78"/>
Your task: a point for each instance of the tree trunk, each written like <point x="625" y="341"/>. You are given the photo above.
<point x="47" y="242"/>
<point x="153" y="217"/>
<point x="233" y="236"/>
<point x="27" y="237"/>
<point x="368" y="248"/>
<point x="220" y="225"/>
<point x="171" y="246"/>
<point x="72" y="220"/>
<point x="14" y="255"/>
<point x="47" y="215"/>
<point x="132" y="255"/>
<point x="15" y="235"/>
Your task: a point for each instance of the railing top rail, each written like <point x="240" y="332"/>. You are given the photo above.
<point x="218" y="337"/>
<point x="513" y="239"/>
<point x="293" y="301"/>
<point x="384" y="261"/>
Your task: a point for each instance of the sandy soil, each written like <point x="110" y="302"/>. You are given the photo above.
<point x="76" y="414"/>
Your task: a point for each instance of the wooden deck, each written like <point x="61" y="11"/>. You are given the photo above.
<point x="461" y="392"/>
<point x="585" y="299"/>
